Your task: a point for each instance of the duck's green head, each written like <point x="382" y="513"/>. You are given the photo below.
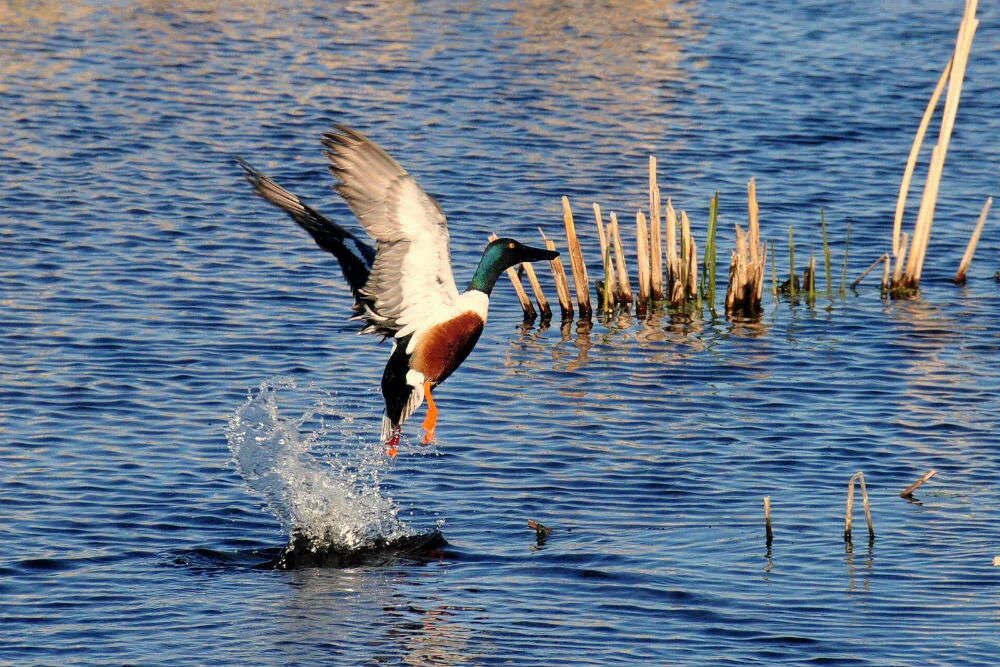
<point x="499" y="256"/>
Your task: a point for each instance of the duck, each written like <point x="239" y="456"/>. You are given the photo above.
<point x="403" y="288"/>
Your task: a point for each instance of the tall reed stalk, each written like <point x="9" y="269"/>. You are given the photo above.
<point x="970" y="249"/>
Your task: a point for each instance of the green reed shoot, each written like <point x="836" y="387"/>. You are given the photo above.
<point x="708" y="269"/>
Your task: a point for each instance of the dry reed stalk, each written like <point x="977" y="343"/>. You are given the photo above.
<point x="580" y="279"/>
<point x="642" y="258"/>
<point x="810" y="279"/>
<point x="673" y="261"/>
<point x="908" y="491"/>
<point x="849" y="515"/>
<point x="522" y="296"/>
<point x="886" y="276"/>
<point x="748" y="265"/>
<point x="768" y="533"/>
<point x="970" y="249"/>
<point x="753" y="226"/>
<point x="607" y="295"/>
<point x="925" y="216"/>
<point x="624" y="289"/>
<point x="897" y="274"/>
<point x="898" y="244"/>
<point x="689" y="259"/>
<point x="655" y="236"/>
<point x="884" y="257"/>
<point x="559" y="276"/>
<point x="710" y="265"/>
<point x="536" y="288"/>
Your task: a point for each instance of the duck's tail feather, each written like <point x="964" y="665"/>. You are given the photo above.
<point x="355" y="256"/>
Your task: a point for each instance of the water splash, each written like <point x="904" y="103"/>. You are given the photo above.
<point x="317" y="474"/>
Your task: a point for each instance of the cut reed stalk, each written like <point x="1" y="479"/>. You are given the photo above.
<point x="810" y="279"/>
<point x="522" y="296"/>
<point x="908" y="491"/>
<point x="607" y="291"/>
<point x="768" y="533"/>
<point x="925" y="216"/>
<point x="536" y="287"/>
<point x="849" y="515"/>
<point x="559" y="277"/>
<point x="655" y="236"/>
<point x="580" y="279"/>
<point x="689" y="259"/>
<point x="642" y="258"/>
<point x="624" y="295"/>
<point x="970" y="249"/>
<point x="827" y="260"/>
<point x="673" y="261"/>
<point x="886" y="274"/>
<point x="793" y="279"/>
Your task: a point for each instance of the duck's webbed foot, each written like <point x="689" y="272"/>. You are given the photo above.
<point x="430" y="421"/>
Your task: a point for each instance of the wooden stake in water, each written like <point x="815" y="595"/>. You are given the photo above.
<point x="559" y="276"/>
<point x="522" y="296"/>
<point x="655" y="234"/>
<point x="582" y="282"/>
<point x="849" y="515"/>
<point x="970" y="249"/>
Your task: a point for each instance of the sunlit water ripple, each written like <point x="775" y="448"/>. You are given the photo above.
<point x="161" y="329"/>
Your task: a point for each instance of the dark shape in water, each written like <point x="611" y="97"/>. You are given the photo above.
<point x="301" y="553"/>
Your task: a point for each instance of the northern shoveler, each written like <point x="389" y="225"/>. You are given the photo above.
<point x="404" y="289"/>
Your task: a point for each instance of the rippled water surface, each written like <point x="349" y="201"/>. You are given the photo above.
<point x="162" y="331"/>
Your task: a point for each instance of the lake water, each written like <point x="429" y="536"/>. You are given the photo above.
<point x="162" y="329"/>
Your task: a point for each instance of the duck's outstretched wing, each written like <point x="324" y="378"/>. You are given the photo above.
<point x="410" y="280"/>
<point x="355" y="256"/>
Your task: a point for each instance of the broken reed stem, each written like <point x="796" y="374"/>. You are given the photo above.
<point x="655" y="236"/>
<point x="911" y="162"/>
<point x="768" y="533"/>
<point x="970" y="249"/>
<point x="710" y="261"/>
<point x="580" y="279"/>
<point x="886" y="277"/>
<point x="792" y="278"/>
<point x="689" y="259"/>
<point x="522" y="296"/>
<point x="608" y="292"/>
<point x="559" y="276"/>
<point x="536" y="288"/>
<point x="642" y="257"/>
<point x="908" y="491"/>
<point x="673" y="261"/>
<point x="849" y="515"/>
<point x="925" y="216"/>
<point x="810" y="279"/>
<point x="827" y="261"/>
<point x="884" y="257"/>
<point x="624" y="289"/>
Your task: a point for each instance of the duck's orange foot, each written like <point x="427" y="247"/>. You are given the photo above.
<point x="430" y="421"/>
<point x="392" y="444"/>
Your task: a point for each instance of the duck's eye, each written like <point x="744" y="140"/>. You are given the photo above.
<point x="511" y="245"/>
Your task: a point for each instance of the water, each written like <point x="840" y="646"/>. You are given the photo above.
<point x="151" y="305"/>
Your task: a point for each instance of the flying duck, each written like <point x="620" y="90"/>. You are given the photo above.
<point x="404" y="288"/>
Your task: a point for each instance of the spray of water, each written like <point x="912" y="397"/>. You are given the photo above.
<point x="317" y="473"/>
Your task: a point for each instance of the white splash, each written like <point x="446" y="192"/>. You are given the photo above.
<point x="333" y="500"/>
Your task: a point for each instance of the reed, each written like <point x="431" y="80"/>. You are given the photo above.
<point x="884" y="257"/>
<point x="710" y="261"/>
<point x="768" y="533"/>
<point x="910" y="277"/>
<point x="689" y="260"/>
<point x="774" y="274"/>
<point x="541" y="532"/>
<point x="908" y="491"/>
<point x="673" y="260"/>
<point x="608" y="286"/>
<point x="624" y="289"/>
<point x="655" y="236"/>
<point x="809" y="280"/>
<point x="580" y="279"/>
<point x="559" y="277"/>
<point x="849" y="515"/>
<point x="970" y="249"/>
<point x="827" y="259"/>
<point x="522" y="296"/>
<point x="642" y="259"/>
<point x="544" y="309"/>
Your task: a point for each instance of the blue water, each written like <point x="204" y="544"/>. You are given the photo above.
<point x="163" y="330"/>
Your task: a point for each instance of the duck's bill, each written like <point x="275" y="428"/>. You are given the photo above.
<point x="529" y="254"/>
